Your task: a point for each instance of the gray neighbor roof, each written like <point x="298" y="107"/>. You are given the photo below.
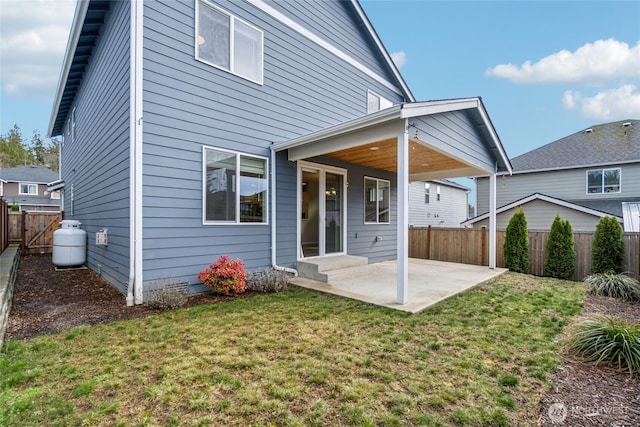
<point x="34" y="174"/>
<point x="616" y="142"/>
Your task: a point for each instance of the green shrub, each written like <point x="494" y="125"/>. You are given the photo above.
<point x="516" y="244"/>
<point x="561" y="253"/>
<point x="608" y="339"/>
<point x="269" y="280"/>
<point x="225" y="276"/>
<point x="613" y="285"/>
<point x="608" y="246"/>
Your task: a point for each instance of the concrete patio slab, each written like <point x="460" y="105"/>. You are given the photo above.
<point x="429" y="283"/>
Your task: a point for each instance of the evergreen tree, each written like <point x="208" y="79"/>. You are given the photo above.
<point x="516" y="244"/>
<point x="608" y="247"/>
<point x="561" y="253"/>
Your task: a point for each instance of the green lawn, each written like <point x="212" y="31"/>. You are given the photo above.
<point x="301" y="358"/>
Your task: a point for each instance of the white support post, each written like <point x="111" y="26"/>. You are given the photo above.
<point x="403" y="216"/>
<point x="492" y="221"/>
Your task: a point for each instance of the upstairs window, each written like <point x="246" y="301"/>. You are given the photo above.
<point x="427" y="189"/>
<point x="377" y="195"/>
<point x="376" y="102"/>
<point x="28" y="189"/>
<point x="438" y="192"/>
<point x="228" y="43"/>
<point x="601" y="181"/>
<point x="235" y="188"/>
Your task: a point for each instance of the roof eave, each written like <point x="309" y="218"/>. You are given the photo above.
<point x="74" y="36"/>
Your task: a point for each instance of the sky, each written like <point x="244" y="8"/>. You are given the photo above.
<point x="544" y="69"/>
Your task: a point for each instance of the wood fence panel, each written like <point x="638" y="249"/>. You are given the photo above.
<point x="38" y="231"/>
<point x="471" y="246"/>
<point x="4" y="225"/>
<point x="15" y="227"/>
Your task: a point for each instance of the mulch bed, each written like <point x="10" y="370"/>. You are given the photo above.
<point x="47" y="301"/>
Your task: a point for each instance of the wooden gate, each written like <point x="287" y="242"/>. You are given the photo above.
<point x="38" y="231"/>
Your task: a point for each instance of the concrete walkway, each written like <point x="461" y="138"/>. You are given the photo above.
<point x="429" y="283"/>
<point x="9" y="260"/>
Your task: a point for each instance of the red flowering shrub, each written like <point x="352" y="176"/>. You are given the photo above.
<point x="225" y="276"/>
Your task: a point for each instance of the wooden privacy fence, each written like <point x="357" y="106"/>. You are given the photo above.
<point x="4" y="225"/>
<point x="471" y="246"/>
<point x="34" y="230"/>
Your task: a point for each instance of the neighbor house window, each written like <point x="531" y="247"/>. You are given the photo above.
<point x="377" y="195"/>
<point x="437" y="192"/>
<point x="228" y="43"/>
<point x="30" y="189"/>
<point x="376" y="102"/>
<point x="603" y="181"/>
<point x="426" y="192"/>
<point x="234" y="187"/>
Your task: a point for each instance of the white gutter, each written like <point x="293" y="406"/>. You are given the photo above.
<point x="273" y="219"/>
<point x="134" y="286"/>
<point x="74" y="36"/>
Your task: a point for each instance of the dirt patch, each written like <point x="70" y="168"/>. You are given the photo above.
<point x="46" y="301"/>
<point x="589" y="395"/>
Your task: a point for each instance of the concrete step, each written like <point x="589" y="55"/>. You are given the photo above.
<point x="322" y="269"/>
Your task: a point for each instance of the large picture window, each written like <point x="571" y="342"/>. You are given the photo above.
<point x="603" y="181"/>
<point x="377" y="195"/>
<point x="226" y="42"/>
<point x="235" y="187"/>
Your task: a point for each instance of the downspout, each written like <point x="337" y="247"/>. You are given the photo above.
<point x="134" y="285"/>
<point x="273" y="219"/>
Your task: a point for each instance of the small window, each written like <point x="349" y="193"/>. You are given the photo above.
<point x="377" y="195"/>
<point x="438" y="193"/>
<point x="55" y="195"/>
<point x="235" y="188"/>
<point x="29" y="189"/>
<point x="376" y="102"/>
<point x="226" y="42"/>
<point x="601" y="181"/>
<point x="426" y="192"/>
<point x="73" y="125"/>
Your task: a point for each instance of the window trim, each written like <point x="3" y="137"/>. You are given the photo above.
<point x="232" y="19"/>
<point x="602" y="186"/>
<point x="437" y="193"/>
<point x="377" y="180"/>
<point x="427" y="193"/>
<point x="237" y="154"/>
<point x="21" y="193"/>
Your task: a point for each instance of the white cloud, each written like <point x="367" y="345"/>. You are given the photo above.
<point x="593" y="63"/>
<point x="399" y="58"/>
<point x="33" y="38"/>
<point x="608" y="105"/>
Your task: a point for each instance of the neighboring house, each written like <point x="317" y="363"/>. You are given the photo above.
<point x="583" y="177"/>
<point x="26" y="187"/>
<point x="441" y="203"/>
<point x="267" y="131"/>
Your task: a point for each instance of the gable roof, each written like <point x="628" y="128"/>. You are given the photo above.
<point x="549" y="199"/>
<point x="599" y="145"/>
<point x="85" y="29"/>
<point x="449" y="183"/>
<point x="34" y="174"/>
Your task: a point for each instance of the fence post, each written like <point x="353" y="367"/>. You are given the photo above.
<point x="429" y="242"/>
<point x="484" y="257"/>
<point x="24" y="232"/>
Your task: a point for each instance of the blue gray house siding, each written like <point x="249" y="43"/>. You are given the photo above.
<point x="188" y="104"/>
<point x="95" y="166"/>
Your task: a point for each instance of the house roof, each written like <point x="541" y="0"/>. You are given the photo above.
<point x="34" y="174"/>
<point x="549" y="199"/>
<point x="605" y="144"/>
<point x="609" y="206"/>
<point x="33" y="201"/>
<point x="450" y="183"/>
<point x="89" y="17"/>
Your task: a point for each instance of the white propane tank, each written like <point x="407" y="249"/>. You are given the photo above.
<point x="69" y="244"/>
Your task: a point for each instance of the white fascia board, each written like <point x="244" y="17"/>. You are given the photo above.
<point x="55" y="185"/>
<point x="494" y="136"/>
<point x="72" y="43"/>
<point x="438" y="175"/>
<point x="342" y="128"/>
<point x="427" y="108"/>
<point x="608" y="165"/>
<point x="381" y="48"/>
<point x="260" y="4"/>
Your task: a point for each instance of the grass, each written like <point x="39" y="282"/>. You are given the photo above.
<point x="300" y="358"/>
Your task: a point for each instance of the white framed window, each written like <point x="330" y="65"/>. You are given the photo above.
<point x="226" y="42"/>
<point x="601" y="181"/>
<point x="28" y="188"/>
<point x="234" y="187"/>
<point x="377" y="195"/>
<point x="427" y="189"/>
<point x="437" y="192"/>
<point x="376" y="102"/>
<point x="55" y="195"/>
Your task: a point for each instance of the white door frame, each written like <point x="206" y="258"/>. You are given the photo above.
<point x="322" y="170"/>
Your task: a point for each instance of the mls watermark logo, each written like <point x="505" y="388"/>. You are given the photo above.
<point x="557" y="412"/>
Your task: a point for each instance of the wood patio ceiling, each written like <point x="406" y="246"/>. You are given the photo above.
<point x="421" y="158"/>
